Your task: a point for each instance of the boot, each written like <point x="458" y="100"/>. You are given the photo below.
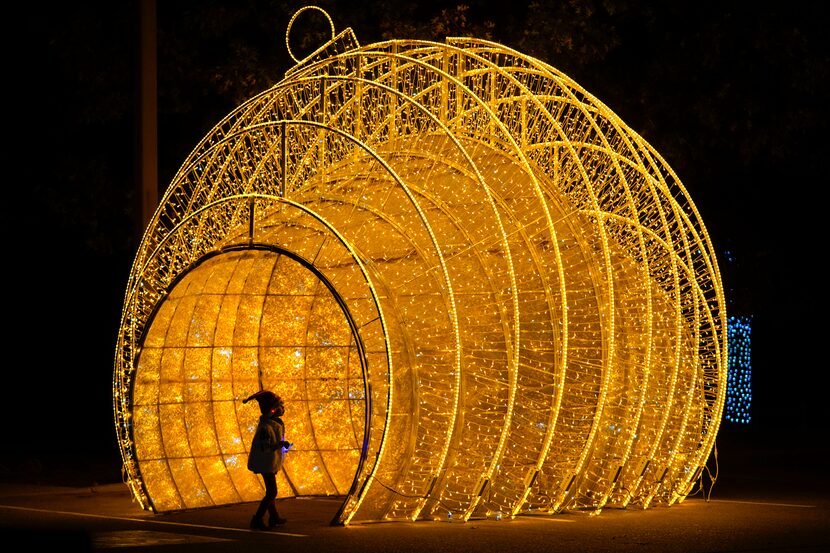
<point x="276" y="520"/>
<point x="257" y="524"/>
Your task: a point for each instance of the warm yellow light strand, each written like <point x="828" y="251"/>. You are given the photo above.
<point x="431" y="166"/>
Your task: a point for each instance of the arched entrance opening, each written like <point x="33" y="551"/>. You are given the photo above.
<point x="237" y="322"/>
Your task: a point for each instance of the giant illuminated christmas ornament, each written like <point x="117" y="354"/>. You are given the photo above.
<point x="478" y="292"/>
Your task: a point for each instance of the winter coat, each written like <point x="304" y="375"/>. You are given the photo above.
<point x="266" y="452"/>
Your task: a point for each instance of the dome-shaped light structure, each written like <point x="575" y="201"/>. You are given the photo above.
<point x="477" y="290"/>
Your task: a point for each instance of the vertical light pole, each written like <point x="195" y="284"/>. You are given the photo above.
<point x="148" y="166"/>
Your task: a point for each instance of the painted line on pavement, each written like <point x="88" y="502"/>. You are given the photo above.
<point x="762" y="503"/>
<point x="187" y="525"/>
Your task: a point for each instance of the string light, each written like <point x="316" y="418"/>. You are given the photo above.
<point x="477" y="290"/>
<point x="739" y="379"/>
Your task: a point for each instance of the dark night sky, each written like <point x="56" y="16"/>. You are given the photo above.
<point x="735" y="100"/>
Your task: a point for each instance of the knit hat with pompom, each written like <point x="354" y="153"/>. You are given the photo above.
<point x="267" y="400"/>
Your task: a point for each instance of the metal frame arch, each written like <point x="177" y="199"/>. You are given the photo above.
<point x="415" y="246"/>
<point x="682" y="218"/>
<point x="425" y="222"/>
<point x="541" y="274"/>
<point x="590" y="118"/>
<point x="516" y="150"/>
<point x="242" y="132"/>
<point x="582" y="106"/>
<point x="701" y="237"/>
<point x="608" y="150"/>
<point x="606" y="257"/>
<point x="373" y="293"/>
<point x="422" y="216"/>
<point x="614" y="120"/>
<point x="528" y="95"/>
<point x="485" y="187"/>
<point x="701" y="308"/>
<point x="609" y="284"/>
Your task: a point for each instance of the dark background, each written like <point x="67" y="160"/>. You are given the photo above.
<point x="732" y="95"/>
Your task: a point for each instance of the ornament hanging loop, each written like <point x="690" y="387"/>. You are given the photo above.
<point x="291" y="22"/>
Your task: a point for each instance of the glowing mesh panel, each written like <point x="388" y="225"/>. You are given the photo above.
<point x="237" y="322"/>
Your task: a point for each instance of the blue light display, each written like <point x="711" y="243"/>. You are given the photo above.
<point x="739" y="376"/>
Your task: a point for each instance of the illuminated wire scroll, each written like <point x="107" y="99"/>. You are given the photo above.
<point x="477" y="290"/>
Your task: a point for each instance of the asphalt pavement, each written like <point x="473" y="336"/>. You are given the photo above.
<point x="763" y="500"/>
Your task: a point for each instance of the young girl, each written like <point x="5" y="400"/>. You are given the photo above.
<point x="266" y="455"/>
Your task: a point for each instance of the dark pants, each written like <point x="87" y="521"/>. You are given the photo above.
<point x="268" y="502"/>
